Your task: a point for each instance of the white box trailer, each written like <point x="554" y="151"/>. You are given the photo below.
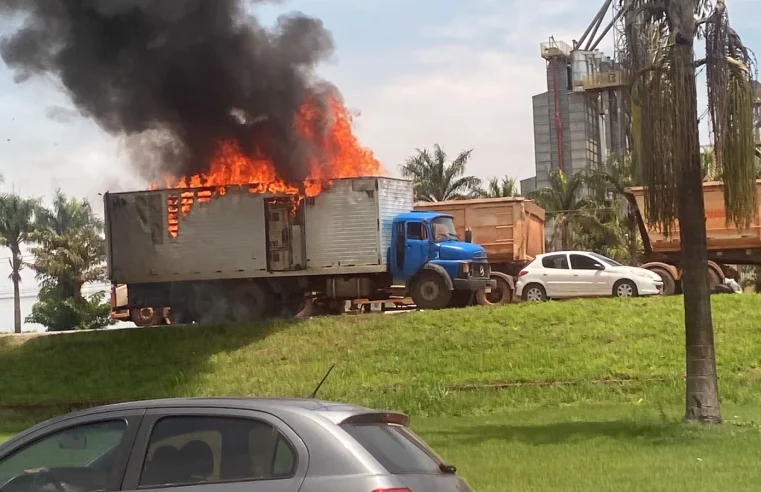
<point x="229" y="232"/>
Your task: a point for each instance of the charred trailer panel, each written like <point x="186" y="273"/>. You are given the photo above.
<point x="180" y="235"/>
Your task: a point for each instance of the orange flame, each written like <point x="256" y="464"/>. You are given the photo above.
<point x="341" y="156"/>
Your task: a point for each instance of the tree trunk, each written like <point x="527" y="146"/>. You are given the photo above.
<point x="564" y="231"/>
<point x="16" y="277"/>
<point x="702" y="396"/>
<point x="631" y="224"/>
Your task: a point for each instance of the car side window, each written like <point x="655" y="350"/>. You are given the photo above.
<point x="415" y="230"/>
<point x="193" y="450"/>
<point x="79" y="458"/>
<point x="559" y="262"/>
<point x="582" y="262"/>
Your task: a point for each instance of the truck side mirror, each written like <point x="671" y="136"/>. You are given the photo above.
<point x="468" y="236"/>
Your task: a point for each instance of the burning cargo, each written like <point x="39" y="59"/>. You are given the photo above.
<point x="234" y="253"/>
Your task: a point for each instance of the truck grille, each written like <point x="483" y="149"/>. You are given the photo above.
<point x="481" y="270"/>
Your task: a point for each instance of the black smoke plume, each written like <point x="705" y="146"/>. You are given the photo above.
<point x="176" y="76"/>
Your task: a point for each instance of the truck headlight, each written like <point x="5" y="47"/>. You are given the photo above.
<point x="465" y="269"/>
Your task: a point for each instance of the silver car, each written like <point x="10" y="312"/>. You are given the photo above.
<point x="225" y="445"/>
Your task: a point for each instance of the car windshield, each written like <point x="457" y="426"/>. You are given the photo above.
<point x="607" y="260"/>
<point x="443" y="229"/>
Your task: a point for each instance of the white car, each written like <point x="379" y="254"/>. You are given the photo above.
<point x="565" y="274"/>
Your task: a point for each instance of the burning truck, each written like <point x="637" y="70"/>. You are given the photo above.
<point x="263" y="200"/>
<point x="236" y="253"/>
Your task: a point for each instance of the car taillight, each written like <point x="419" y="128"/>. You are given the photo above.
<point x="405" y="489"/>
<point x="113" y="296"/>
<point x="522" y="273"/>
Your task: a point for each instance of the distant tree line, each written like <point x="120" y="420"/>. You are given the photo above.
<point x="66" y="240"/>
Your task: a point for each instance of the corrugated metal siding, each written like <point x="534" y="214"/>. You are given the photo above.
<point x="221" y="238"/>
<point x="395" y="197"/>
<point x="342" y="226"/>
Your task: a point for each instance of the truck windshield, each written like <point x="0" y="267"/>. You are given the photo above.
<point x="443" y="229"/>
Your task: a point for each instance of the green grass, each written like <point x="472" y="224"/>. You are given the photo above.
<point x="589" y="391"/>
<point x="406" y="361"/>
<point x="602" y="448"/>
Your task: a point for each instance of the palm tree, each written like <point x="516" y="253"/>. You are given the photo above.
<point x="561" y="201"/>
<point x="17" y="224"/>
<point x="660" y="37"/>
<point x="68" y="214"/>
<point x="71" y="247"/>
<point x="506" y="187"/>
<point x="615" y="178"/>
<point x="434" y="180"/>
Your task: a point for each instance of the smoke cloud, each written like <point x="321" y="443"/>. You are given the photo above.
<point x="176" y="77"/>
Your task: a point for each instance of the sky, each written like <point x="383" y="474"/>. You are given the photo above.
<point x="458" y="73"/>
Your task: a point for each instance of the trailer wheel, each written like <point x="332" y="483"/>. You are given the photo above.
<point x="304" y="308"/>
<point x="251" y="302"/>
<point x="502" y="294"/>
<point x="669" y="284"/>
<point x="146" y="316"/>
<point x="429" y="291"/>
<point x="713" y="279"/>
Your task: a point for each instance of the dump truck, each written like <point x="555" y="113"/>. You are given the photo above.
<point x="233" y="253"/>
<point x="511" y="230"/>
<point x="727" y="245"/>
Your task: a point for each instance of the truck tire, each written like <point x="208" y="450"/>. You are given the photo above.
<point x="713" y="279"/>
<point x="669" y="284"/>
<point x="625" y="288"/>
<point x="429" y="291"/>
<point x="502" y="294"/>
<point x="146" y="316"/>
<point x="534" y="293"/>
<point x="303" y="308"/>
<point x="251" y="302"/>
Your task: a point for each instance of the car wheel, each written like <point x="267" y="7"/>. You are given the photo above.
<point x="625" y="288"/>
<point x="534" y="293"/>
<point x="429" y="291"/>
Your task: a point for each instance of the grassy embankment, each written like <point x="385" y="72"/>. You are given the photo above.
<point x="575" y="395"/>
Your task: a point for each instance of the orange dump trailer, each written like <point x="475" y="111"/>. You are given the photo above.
<point x="510" y="229"/>
<point x="727" y="245"/>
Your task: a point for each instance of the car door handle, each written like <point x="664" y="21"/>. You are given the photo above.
<point x="575" y="274"/>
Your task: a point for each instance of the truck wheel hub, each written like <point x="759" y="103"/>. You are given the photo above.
<point x="429" y="290"/>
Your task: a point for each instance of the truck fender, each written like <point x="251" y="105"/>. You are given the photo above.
<point x="670" y="285"/>
<point x="716" y="268"/>
<point x="676" y="274"/>
<point x="441" y="271"/>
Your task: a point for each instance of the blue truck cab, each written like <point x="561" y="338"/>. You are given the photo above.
<point x="437" y="268"/>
